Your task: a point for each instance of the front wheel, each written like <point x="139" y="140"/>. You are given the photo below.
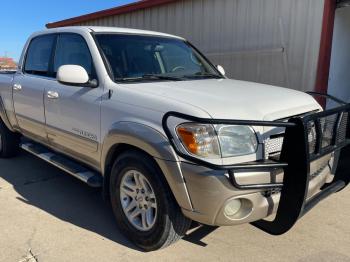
<point x="143" y="205"/>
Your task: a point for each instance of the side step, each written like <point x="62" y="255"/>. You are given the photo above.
<point x="91" y="178"/>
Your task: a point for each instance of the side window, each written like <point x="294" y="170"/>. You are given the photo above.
<point x="39" y="54"/>
<point x="72" y="50"/>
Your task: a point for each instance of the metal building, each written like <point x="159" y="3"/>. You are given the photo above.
<point x="280" y="42"/>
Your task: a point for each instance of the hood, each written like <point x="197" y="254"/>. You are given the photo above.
<point x="233" y="99"/>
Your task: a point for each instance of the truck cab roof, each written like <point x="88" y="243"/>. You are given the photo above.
<point x="103" y="29"/>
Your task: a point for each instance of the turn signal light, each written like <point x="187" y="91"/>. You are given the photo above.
<point x="188" y="139"/>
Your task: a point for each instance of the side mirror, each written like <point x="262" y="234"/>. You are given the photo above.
<point x="221" y="70"/>
<point x="72" y="75"/>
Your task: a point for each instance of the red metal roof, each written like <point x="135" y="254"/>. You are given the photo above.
<point x="110" y="12"/>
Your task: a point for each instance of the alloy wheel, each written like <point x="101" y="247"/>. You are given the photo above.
<point x="138" y="200"/>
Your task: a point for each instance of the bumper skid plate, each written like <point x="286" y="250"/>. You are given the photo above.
<point x="307" y="138"/>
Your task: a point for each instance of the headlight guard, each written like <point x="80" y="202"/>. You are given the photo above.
<point x="217" y="153"/>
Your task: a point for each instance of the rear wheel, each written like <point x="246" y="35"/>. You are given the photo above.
<point x="9" y="142"/>
<point x="143" y="205"/>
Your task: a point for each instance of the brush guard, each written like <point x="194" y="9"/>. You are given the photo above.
<point x="307" y="138"/>
<point x="311" y="138"/>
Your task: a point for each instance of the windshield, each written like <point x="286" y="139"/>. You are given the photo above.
<point x="152" y="58"/>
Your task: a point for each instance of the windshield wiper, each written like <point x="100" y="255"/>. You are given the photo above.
<point x="162" y="77"/>
<point x="149" y="77"/>
<point x="204" y="75"/>
<point x="128" y="79"/>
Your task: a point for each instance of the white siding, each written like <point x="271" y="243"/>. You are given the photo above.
<point x="268" y="41"/>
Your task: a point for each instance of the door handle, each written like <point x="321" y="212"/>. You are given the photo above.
<point x="17" y="87"/>
<point x="52" y="95"/>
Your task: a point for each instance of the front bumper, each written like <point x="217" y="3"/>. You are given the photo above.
<point x="304" y="180"/>
<point x="210" y="191"/>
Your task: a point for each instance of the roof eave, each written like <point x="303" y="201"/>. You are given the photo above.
<point x="143" y="4"/>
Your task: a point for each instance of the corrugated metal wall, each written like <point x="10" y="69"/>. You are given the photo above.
<point x="267" y="41"/>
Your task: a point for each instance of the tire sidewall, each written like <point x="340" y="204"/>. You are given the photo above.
<point x="2" y="139"/>
<point x="158" y="233"/>
<point x="9" y="142"/>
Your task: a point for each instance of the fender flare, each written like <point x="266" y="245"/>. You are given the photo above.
<point x="153" y="143"/>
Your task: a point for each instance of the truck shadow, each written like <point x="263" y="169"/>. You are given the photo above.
<point x="57" y="193"/>
<point x="43" y="186"/>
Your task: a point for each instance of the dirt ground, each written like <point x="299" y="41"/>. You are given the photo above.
<point x="46" y="215"/>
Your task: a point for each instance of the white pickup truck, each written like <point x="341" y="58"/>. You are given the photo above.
<point x="168" y="137"/>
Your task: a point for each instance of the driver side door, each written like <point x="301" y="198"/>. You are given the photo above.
<point x="73" y="112"/>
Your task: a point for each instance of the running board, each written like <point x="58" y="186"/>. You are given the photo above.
<point x="89" y="177"/>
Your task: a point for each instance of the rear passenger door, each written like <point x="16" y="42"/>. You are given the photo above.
<point x="73" y="115"/>
<point x="29" y="87"/>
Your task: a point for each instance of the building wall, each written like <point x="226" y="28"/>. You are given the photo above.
<point x="268" y="41"/>
<point x="339" y="77"/>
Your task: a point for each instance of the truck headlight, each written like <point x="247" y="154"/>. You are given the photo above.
<point x="236" y="140"/>
<point x="199" y="139"/>
<point x="219" y="141"/>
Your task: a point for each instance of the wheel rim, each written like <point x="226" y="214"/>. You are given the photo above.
<point x="138" y="200"/>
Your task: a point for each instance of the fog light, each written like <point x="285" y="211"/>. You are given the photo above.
<point x="232" y="207"/>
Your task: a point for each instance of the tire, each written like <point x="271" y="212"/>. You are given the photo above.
<point x="169" y="224"/>
<point x="9" y="142"/>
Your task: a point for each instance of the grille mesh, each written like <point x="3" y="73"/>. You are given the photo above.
<point x="312" y="135"/>
<point x="273" y="145"/>
<point x="328" y="125"/>
<point x="341" y="136"/>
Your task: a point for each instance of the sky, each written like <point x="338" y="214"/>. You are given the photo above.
<point x="19" y="19"/>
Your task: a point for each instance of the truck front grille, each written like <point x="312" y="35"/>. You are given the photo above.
<point x="327" y="126"/>
<point x="312" y="137"/>
<point x="273" y="147"/>
<point x="341" y="136"/>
